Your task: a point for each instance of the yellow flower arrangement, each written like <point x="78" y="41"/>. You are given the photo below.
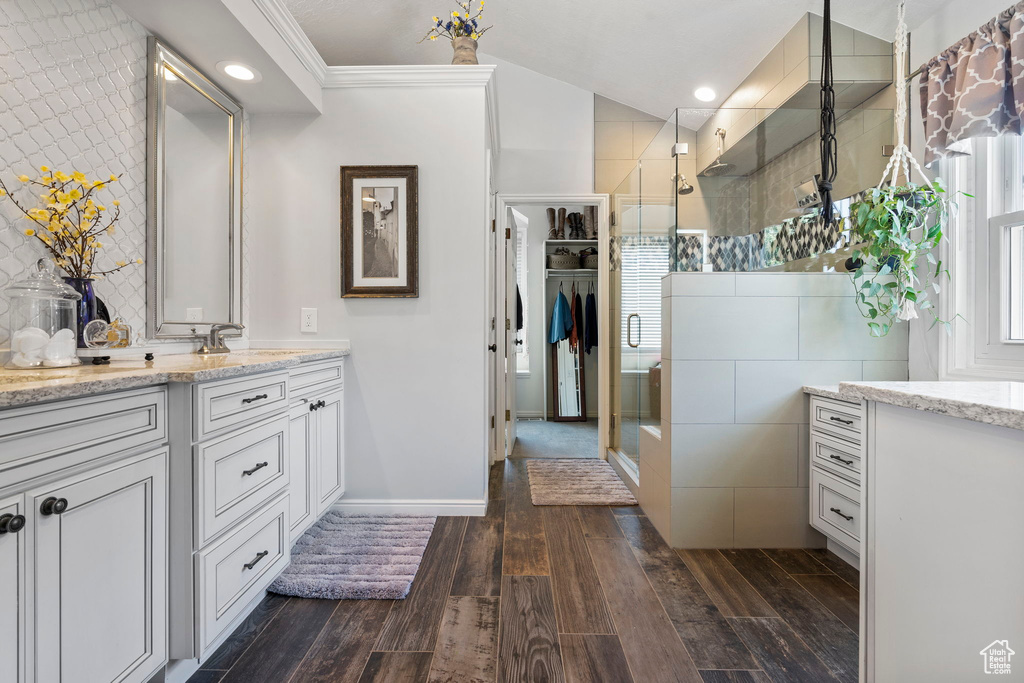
<point x="71" y="218"/>
<point x="463" y="23"/>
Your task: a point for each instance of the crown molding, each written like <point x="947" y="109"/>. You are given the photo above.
<point x="293" y="35"/>
<point x="405" y="76"/>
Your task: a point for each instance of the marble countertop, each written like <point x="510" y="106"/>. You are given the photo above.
<point x="828" y="391"/>
<point x="994" y="403"/>
<point x="21" y="387"/>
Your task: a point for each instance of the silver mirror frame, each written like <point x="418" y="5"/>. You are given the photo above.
<point x="162" y="57"/>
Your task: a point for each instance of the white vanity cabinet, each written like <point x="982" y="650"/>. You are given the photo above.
<point x="83" y="539"/>
<point x="264" y="461"/>
<point x="318" y="441"/>
<point x="836" y="441"/>
<point x="99" y="573"/>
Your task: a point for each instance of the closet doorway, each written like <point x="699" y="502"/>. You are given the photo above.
<point x="551" y="272"/>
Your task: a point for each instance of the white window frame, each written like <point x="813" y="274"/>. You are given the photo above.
<point x="976" y="253"/>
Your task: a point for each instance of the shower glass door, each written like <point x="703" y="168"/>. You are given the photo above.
<point x="643" y="229"/>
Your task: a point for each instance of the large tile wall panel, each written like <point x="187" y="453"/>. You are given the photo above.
<point x="793" y="284"/>
<point x="885" y="371"/>
<point x="831" y="328"/>
<point x="702" y="391"/>
<point x="734" y="328"/>
<point x="774" y="518"/>
<point x="702" y="518"/>
<point x="654" y="450"/>
<point x="734" y="455"/>
<point x="771" y="391"/>
<point x="701" y="284"/>
<point x="655" y="499"/>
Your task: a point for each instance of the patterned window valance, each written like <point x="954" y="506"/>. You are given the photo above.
<point x="975" y="88"/>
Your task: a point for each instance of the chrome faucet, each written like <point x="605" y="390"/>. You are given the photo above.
<point x="215" y="342"/>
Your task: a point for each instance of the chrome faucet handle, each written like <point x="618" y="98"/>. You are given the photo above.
<point x="215" y="342"/>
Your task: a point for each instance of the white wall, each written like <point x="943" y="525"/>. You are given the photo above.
<point x="415" y="383"/>
<point x="547" y="133"/>
<point x="942" y="29"/>
<point x="73" y="97"/>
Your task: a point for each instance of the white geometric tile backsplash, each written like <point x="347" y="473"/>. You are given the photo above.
<point x="73" y="96"/>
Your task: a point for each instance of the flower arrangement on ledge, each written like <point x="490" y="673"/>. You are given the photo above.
<point x="72" y="221"/>
<point x="463" y="29"/>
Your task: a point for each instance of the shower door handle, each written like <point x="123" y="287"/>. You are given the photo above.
<point x="629" y="330"/>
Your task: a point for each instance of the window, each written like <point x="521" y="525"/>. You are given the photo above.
<point x="986" y="258"/>
<point x="523" y="350"/>
<point x="643" y="266"/>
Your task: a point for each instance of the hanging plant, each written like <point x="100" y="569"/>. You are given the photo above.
<point x="894" y="228"/>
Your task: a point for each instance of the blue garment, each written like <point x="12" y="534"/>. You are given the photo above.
<point x="561" y="320"/>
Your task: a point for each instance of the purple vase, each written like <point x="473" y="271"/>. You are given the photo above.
<point x="86" y="306"/>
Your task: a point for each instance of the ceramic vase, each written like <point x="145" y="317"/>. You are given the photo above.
<point x="465" y="51"/>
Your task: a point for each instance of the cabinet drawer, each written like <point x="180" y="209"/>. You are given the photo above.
<point x="232" y="402"/>
<point x="238" y="473"/>
<point x="311" y="377"/>
<point x="41" y="439"/>
<point x="835" y="508"/>
<point x="837" y="417"/>
<point x="237" y="568"/>
<point x="836" y="455"/>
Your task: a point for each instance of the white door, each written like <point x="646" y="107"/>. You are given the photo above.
<point x="330" y="449"/>
<point x="301" y="463"/>
<point x="100" y="570"/>
<point x="511" y="333"/>
<point x="12" y="589"/>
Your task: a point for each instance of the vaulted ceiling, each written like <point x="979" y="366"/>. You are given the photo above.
<point x="649" y="54"/>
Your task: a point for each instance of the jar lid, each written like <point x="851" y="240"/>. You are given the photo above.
<point x="42" y="283"/>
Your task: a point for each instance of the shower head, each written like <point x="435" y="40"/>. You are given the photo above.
<point x="684" y="187"/>
<point x="719" y="167"/>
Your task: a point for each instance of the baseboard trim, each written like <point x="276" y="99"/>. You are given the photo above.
<point x="462" y="508"/>
<point x="844" y="553"/>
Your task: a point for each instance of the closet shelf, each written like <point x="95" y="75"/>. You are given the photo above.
<point x="556" y="243"/>
<point x="569" y="272"/>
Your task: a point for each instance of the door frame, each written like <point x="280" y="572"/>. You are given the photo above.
<point x="602" y="202"/>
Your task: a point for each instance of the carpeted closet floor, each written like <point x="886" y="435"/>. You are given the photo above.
<point x="540" y="439"/>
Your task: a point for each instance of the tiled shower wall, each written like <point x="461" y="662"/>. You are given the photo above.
<point x="73" y="96"/>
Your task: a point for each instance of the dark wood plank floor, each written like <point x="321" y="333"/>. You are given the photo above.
<point x="579" y="594"/>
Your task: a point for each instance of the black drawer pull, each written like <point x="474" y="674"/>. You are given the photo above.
<point x="259" y="556"/>
<point x="259" y="466"/>
<point x="848" y="518"/>
<point x="258" y="397"/>
<point x="53" y="506"/>
<point x="839" y="419"/>
<point x="845" y="462"/>
<point x="11" y="524"/>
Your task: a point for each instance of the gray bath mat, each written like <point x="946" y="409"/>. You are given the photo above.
<point x="349" y="556"/>
<point x="576" y="482"/>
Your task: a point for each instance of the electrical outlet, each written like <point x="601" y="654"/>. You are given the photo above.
<point x="193" y="315"/>
<point x="308" y="320"/>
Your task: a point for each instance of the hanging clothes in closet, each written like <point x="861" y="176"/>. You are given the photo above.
<point x="561" y="319"/>
<point x="590" y="326"/>
<point x="578" y="320"/>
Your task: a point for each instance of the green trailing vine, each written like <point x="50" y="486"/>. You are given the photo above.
<point x="894" y="228"/>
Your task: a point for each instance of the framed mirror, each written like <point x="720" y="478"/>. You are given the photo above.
<point x="194" y="203"/>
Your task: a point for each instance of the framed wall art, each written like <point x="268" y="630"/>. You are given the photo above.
<point x="379" y="231"/>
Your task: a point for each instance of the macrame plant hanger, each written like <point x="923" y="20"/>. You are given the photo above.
<point x="829" y="147"/>
<point x="901" y="158"/>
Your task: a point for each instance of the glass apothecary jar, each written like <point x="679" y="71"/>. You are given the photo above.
<point x="44" y="320"/>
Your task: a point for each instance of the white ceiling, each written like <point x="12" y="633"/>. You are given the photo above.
<point x="649" y="54"/>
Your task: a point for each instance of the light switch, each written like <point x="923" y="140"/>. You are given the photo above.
<point x="308" y="320"/>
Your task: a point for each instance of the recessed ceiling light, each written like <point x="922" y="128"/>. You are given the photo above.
<point x="239" y="71"/>
<point x="704" y="94"/>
